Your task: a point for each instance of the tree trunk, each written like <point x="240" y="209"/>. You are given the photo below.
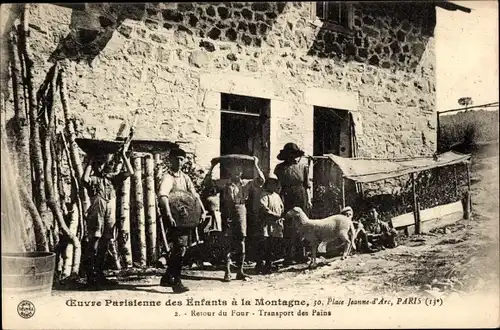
<point x="22" y="123"/>
<point x="73" y="148"/>
<point x="38" y="225"/>
<point x="52" y="201"/>
<point x="35" y="143"/>
<point x="75" y="187"/>
<point x="159" y="241"/>
<point x="151" y="210"/>
<point x="56" y="209"/>
<point x="124" y="239"/>
<point x="69" y="253"/>
<point x="55" y="184"/>
<point x="139" y="212"/>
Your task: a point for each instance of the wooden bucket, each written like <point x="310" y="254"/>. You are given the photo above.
<point x="28" y="274"/>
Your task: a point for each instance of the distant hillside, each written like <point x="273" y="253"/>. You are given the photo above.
<point x="468" y="128"/>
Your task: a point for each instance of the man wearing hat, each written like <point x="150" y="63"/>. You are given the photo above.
<point x="347" y="211"/>
<point x="375" y="234"/>
<point x="379" y="233"/>
<point x="175" y="180"/>
<point x="296" y="187"/>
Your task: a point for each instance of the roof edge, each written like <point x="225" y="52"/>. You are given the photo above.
<point x="452" y="6"/>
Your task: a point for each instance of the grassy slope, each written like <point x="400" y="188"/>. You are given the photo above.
<point x="471" y="127"/>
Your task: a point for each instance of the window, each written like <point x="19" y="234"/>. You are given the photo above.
<point x="335" y="15"/>
<point x="245" y="129"/>
<point x="243" y="105"/>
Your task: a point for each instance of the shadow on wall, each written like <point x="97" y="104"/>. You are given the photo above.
<point x="91" y="29"/>
<point x="388" y="35"/>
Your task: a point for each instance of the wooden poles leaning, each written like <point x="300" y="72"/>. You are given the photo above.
<point x="70" y="130"/>
<point x="151" y="208"/>
<point x="35" y="143"/>
<point x="38" y="225"/>
<point x="52" y="199"/>
<point x="20" y="115"/>
<point x="139" y="218"/>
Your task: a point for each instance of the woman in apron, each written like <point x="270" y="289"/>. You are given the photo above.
<point x="295" y="191"/>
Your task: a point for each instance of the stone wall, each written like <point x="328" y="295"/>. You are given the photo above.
<point x="172" y="61"/>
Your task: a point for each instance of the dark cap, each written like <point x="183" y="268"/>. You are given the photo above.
<point x="178" y="152"/>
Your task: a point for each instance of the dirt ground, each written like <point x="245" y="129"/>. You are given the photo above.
<point x="445" y="278"/>
<point x="460" y="258"/>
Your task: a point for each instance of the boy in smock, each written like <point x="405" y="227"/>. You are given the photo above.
<point x="101" y="177"/>
<point x="271" y="213"/>
<point x="235" y="196"/>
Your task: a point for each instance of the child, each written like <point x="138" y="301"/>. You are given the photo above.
<point x="172" y="181"/>
<point x="271" y="220"/>
<point x="376" y="234"/>
<point x="234" y="199"/>
<point x="100" y="179"/>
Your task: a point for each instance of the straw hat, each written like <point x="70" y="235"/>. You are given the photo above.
<point x="290" y="150"/>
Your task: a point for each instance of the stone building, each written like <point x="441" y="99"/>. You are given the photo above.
<point x="353" y="79"/>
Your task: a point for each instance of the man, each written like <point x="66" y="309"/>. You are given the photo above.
<point x="175" y="180"/>
<point x="100" y="178"/>
<point x="376" y="234"/>
<point x="296" y="187"/>
<point x="235" y="195"/>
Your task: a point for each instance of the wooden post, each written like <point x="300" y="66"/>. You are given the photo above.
<point x="438" y="135"/>
<point x="139" y="217"/>
<point x="343" y="191"/>
<point x="157" y="161"/>
<point x="415" y="204"/>
<point x="69" y="253"/>
<point x="150" y="210"/>
<point x="124" y="240"/>
<point x="457" y="193"/>
<point x="468" y="176"/>
<point x="467" y="202"/>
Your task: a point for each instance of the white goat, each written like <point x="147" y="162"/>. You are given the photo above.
<point x="323" y="230"/>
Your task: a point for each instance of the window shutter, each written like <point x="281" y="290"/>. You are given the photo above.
<point x="350" y="16"/>
<point x="312" y="6"/>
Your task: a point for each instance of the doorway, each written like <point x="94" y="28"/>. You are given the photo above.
<point x="245" y="129"/>
<point x="332" y="135"/>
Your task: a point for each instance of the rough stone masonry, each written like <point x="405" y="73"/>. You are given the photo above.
<point x="172" y="61"/>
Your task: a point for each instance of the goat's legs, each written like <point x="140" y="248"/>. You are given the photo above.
<point x="347" y="244"/>
<point x="314" y="249"/>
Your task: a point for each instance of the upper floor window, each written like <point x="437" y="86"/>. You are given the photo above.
<point x="76" y="6"/>
<point x="333" y="14"/>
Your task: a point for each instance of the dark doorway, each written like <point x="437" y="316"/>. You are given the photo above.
<point x="332" y="135"/>
<point x="245" y="129"/>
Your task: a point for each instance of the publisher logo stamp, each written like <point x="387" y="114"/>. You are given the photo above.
<point x="26" y="309"/>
